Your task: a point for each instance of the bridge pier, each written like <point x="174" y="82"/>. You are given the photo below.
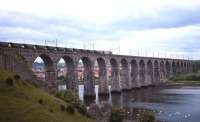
<point x="134" y="74"/>
<point x="115" y="82"/>
<point x="88" y="77"/>
<point x="156" y="73"/>
<point x="103" y="88"/>
<point x="124" y="75"/>
<point x="89" y="84"/>
<point x="71" y="74"/>
<point x="50" y="79"/>
<point x="142" y="74"/>
<point x="103" y="77"/>
<point x="149" y="77"/>
<point x="162" y="72"/>
<point x="103" y="85"/>
<point x="72" y="80"/>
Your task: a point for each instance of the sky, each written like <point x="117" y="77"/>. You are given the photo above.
<point x="159" y="28"/>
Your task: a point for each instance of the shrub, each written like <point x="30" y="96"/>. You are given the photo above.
<point x="82" y="109"/>
<point x="117" y="115"/>
<point x="40" y="101"/>
<point x="70" y="109"/>
<point x="73" y="100"/>
<point x="17" y="77"/>
<point x="9" y="81"/>
<point x="51" y="110"/>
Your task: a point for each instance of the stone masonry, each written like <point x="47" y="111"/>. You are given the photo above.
<point x="127" y="72"/>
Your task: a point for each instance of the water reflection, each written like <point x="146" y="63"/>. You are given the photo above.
<point x="170" y="104"/>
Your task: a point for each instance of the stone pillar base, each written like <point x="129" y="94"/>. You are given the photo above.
<point x="102" y="91"/>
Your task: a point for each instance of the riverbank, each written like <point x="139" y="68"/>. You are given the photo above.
<point x="182" y="83"/>
<point x="104" y="112"/>
<point x="191" y="79"/>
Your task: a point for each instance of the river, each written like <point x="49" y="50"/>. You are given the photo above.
<point x="170" y="104"/>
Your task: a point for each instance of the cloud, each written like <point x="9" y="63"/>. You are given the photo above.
<point x="146" y="25"/>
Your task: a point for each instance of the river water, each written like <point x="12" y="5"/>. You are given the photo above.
<point x="170" y="104"/>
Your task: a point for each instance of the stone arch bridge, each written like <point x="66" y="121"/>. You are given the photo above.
<point x="127" y="72"/>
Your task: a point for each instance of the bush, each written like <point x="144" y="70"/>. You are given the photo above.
<point x="117" y="115"/>
<point x="73" y="100"/>
<point x="9" y="81"/>
<point x="17" y="77"/>
<point x="82" y="109"/>
<point x="51" y="110"/>
<point x="40" y="101"/>
<point x="70" y="109"/>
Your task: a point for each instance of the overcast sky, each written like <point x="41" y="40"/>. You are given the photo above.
<point x="144" y="27"/>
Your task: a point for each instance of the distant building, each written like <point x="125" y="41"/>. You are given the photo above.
<point x="38" y="69"/>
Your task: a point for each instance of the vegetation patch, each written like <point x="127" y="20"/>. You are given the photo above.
<point x="25" y="103"/>
<point x="132" y="114"/>
<point x="145" y="115"/>
<point x="117" y="115"/>
<point x="9" y="82"/>
<point x="70" y="109"/>
<point x="17" y="77"/>
<point x="40" y="101"/>
<point x="73" y="100"/>
<point x="187" y="79"/>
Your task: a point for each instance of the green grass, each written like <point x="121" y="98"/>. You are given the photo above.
<point x="20" y="103"/>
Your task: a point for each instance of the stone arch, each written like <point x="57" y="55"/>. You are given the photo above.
<point x="49" y="72"/>
<point x="134" y="73"/>
<point x="156" y="72"/>
<point x="124" y="75"/>
<point x="150" y="72"/>
<point x="142" y="72"/>
<point x="70" y="72"/>
<point x="115" y="84"/>
<point x="162" y="70"/>
<point x="48" y="64"/>
<point x="173" y="68"/>
<point x="167" y="65"/>
<point x="103" y="83"/>
<point x="88" y="76"/>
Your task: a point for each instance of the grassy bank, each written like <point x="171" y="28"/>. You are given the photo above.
<point x="21" y="101"/>
<point x="187" y="79"/>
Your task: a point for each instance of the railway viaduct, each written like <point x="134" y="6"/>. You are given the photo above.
<point x="127" y="72"/>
